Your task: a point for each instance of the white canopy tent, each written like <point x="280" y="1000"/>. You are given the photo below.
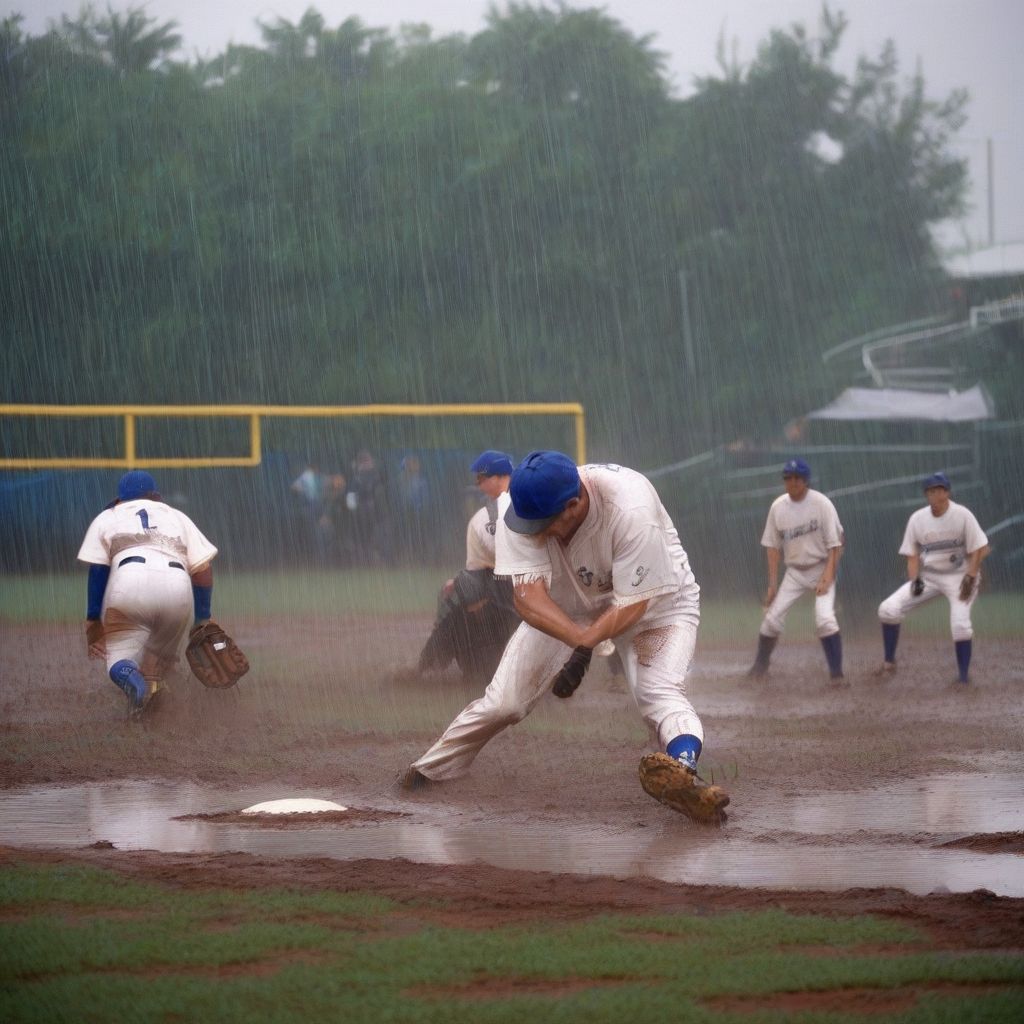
<point x="898" y="404"/>
<point x="1006" y="260"/>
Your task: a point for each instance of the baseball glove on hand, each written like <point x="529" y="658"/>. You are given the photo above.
<point x="917" y="587"/>
<point x="215" y="659"/>
<point x="571" y="674"/>
<point x="966" y="588"/>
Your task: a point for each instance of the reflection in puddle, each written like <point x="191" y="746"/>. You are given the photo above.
<point x="821" y="841"/>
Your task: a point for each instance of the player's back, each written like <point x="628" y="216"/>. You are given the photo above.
<point x="141" y="525"/>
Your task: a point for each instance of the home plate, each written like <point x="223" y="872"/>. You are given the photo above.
<point x="294" y="805"/>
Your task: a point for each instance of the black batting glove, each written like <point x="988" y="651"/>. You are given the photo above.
<point x="571" y="673"/>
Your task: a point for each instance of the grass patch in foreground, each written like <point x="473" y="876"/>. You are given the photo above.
<point x="78" y="943"/>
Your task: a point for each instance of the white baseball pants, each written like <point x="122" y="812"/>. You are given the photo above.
<point x="895" y="607"/>
<point x="655" y="660"/>
<point x="147" y="609"/>
<point x="795" y="583"/>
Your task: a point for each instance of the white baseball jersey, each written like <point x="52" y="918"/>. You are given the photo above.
<point x="152" y="550"/>
<point x="480" y="537"/>
<point x="943" y="542"/>
<point x="141" y="526"/>
<point x="626" y="550"/>
<point x="804" y="531"/>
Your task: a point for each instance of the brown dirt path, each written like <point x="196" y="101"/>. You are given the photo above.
<point x="336" y="716"/>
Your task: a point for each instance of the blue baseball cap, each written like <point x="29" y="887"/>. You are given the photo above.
<point x="136" y="483"/>
<point x="492" y="463"/>
<point x="797" y="467"/>
<point x="937" y="480"/>
<point x="542" y="485"/>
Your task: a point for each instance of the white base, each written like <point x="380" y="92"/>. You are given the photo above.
<point x="295" y="805"/>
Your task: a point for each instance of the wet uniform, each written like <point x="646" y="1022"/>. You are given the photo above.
<point x="626" y="550"/>
<point x="942" y="543"/>
<point x="804" y="531"/>
<point x="480" y="534"/>
<point x="152" y="550"/>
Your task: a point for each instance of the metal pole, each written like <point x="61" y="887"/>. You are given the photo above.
<point x="991" y="197"/>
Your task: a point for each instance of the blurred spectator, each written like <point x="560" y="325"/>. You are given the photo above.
<point x="335" y="518"/>
<point x="414" y="501"/>
<point x="309" y="487"/>
<point x="366" y="501"/>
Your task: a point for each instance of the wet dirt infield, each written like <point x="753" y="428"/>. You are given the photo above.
<point x="836" y="789"/>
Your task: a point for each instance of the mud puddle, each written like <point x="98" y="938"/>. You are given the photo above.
<point x="831" y="841"/>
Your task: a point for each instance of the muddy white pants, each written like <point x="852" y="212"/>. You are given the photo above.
<point x="795" y="583"/>
<point x="147" y="609"/>
<point x="895" y="607"/>
<point x="655" y="661"/>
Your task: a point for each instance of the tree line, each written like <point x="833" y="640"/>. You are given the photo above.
<point x="351" y="215"/>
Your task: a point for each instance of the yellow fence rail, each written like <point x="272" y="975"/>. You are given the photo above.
<point x="130" y="415"/>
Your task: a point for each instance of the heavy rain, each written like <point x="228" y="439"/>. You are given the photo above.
<point x="305" y="279"/>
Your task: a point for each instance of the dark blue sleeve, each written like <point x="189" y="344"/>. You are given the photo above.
<point x="98" y="576"/>
<point x="201" y="598"/>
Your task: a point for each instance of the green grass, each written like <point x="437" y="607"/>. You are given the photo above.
<point x="81" y="944"/>
<point x="382" y="592"/>
<point x="61" y="597"/>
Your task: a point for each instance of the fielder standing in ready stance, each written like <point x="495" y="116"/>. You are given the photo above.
<point x="944" y="547"/>
<point x="804" y="532"/>
<point x="149" y="575"/>
<point x="593" y="557"/>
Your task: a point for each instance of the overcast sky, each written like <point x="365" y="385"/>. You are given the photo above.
<point x="975" y="44"/>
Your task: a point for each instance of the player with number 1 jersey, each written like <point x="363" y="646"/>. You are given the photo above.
<point x="149" y="576"/>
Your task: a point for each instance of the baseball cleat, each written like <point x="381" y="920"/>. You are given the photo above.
<point x="413" y="780"/>
<point x="682" y="789"/>
<point x="144" y="704"/>
<point x="885" y="670"/>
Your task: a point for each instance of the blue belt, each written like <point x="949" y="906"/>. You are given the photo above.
<point x="139" y="558"/>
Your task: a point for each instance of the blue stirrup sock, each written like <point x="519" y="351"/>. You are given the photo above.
<point x="963" y="658"/>
<point x="685" y="749"/>
<point x="126" y="675"/>
<point x="890" y="637"/>
<point x="833" y="646"/>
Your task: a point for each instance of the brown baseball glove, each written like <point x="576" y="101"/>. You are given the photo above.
<point x="682" y="789"/>
<point x="215" y="659"/>
<point x="967" y="587"/>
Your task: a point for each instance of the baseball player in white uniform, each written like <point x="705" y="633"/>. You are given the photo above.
<point x="802" y="531"/>
<point x="475" y="611"/>
<point x="944" y="547"/>
<point x="493" y="475"/>
<point x="593" y="556"/>
<point x="149" y="576"/>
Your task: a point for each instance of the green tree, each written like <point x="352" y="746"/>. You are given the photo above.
<point x="131" y="42"/>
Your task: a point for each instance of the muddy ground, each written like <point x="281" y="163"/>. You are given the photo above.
<point x="328" y="709"/>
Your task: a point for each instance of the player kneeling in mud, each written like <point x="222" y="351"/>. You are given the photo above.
<point x="593" y="557"/>
<point x="149" y="578"/>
